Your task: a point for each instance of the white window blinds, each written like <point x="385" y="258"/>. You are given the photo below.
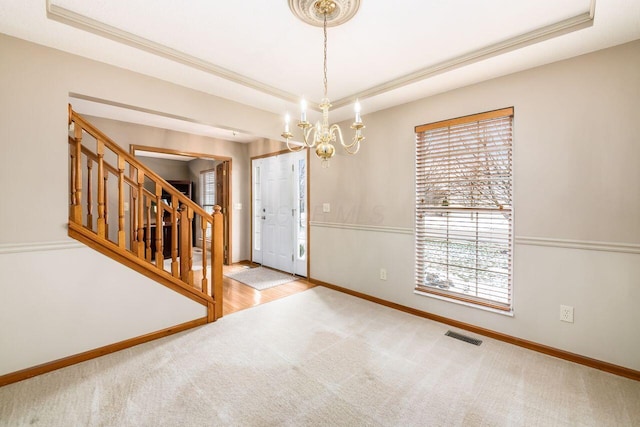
<point x="464" y="213"/>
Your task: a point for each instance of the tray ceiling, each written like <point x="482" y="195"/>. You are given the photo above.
<point x="258" y="53"/>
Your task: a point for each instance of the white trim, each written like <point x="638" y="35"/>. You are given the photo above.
<point x="556" y="29"/>
<point x="550" y="31"/>
<point x="465" y="303"/>
<point x="375" y="228"/>
<point x="13" y="248"/>
<point x="77" y="20"/>
<point x="630" y="248"/>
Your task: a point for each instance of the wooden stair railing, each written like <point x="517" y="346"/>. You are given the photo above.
<point x="126" y="211"/>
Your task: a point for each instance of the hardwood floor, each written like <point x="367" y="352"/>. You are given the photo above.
<point x="238" y="296"/>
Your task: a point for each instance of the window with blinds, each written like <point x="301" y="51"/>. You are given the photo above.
<point x="208" y="194"/>
<point x="464" y="214"/>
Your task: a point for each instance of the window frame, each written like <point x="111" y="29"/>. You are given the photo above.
<point x="426" y="206"/>
<point x="203" y="196"/>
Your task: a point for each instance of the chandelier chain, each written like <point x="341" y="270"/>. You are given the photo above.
<point x="325" y="54"/>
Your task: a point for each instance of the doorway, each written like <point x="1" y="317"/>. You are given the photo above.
<point x="279" y="212"/>
<point x="208" y="188"/>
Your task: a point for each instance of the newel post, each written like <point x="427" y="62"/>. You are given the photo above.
<point x="217" y="251"/>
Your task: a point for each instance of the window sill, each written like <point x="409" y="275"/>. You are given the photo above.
<point x="465" y="303"/>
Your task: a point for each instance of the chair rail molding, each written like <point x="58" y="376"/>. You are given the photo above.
<point x="360" y="227"/>
<point x="631" y="248"/>
<point x="12" y="248"/>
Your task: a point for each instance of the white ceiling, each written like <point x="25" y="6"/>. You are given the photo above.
<point x="257" y="53"/>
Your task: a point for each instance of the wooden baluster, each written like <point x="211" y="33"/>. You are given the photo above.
<point x="106" y="205"/>
<point x="203" y="227"/>
<point x="72" y="172"/>
<point x="159" y="227"/>
<point x="174" y="236"/>
<point x="101" y="185"/>
<point x="133" y="221"/>
<point x="121" y="232"/>
<point x="89" y="194"/>
<point x="133" y="209"/>
<point x="76" y="212"/>
<point x="217" y="251"/>
<point x="148" y="231"/>
<point x="140" y="212"/>
<point x="184" y="243"/>
<point x="190" y="245"/>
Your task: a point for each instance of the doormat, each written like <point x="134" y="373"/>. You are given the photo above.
<point x="261" y="278"/>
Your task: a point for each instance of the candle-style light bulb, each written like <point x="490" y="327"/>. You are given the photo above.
<point x="303" y="110"/>
<point x="356" y="108"/>
<point x="287" y="119"/>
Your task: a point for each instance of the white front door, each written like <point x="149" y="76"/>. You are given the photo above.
<point x="276" y="213"/>
<point x="275" y="190"/>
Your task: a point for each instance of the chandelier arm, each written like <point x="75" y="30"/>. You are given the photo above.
<point x="349" y="150"/>
<point x="355" y="143"/>
<point x="356" y="140"/>
<point x="335" y="129"/>
<point x="307" y="133"/>
<point x="295" y="148"/>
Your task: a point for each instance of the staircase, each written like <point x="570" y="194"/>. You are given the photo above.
<point x="124" y="210"/>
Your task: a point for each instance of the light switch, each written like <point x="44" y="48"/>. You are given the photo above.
<point x="326" y="207"/>
<point x="238" y="206"/>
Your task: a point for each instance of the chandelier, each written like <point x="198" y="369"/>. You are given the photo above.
<point x="322" y="135"/>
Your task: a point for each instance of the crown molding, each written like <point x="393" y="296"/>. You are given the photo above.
<point x="91" y="25"/>
<point x="85" y="23"/>
<point x="575" y="23"/>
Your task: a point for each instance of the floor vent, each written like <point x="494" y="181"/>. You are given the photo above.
<point x="464" y="338"/>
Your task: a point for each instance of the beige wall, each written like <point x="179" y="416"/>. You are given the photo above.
<point x="35" y="83"/>
<point x="168" y="169"/>
<point x="576" y="179"/>
<point x="265" y="146"/>
<point x="56" y="297"/>
<point x="576" y="161"/>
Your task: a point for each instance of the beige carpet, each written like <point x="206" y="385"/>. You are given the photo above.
<point x="261" y="278"/>
<point x="327" y="359"/>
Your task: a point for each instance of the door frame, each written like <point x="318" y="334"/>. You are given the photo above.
<point x="225" y="209"/>
<point x="277" y="153"/>
<point x="224" y="170"/>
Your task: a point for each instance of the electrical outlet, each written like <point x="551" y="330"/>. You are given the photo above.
<point x="566" y="313"/>
<point x="383" y="274"/>
<point x="326" y="207"/>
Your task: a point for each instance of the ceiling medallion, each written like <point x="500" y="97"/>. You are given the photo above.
<point x="308" y="12"/>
